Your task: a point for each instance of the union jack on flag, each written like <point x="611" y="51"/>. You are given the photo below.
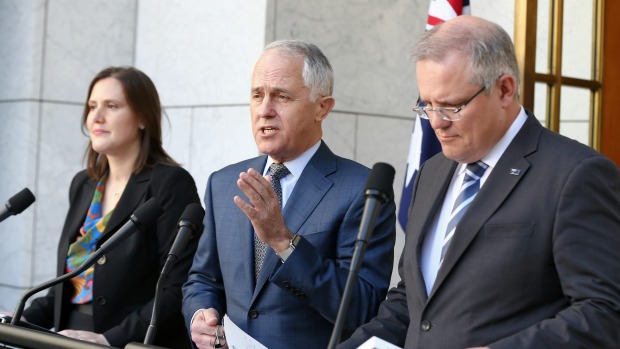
<point x="424" y="143"/>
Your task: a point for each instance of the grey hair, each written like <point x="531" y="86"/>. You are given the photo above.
<point x="317" y="73"/>
<point x="487" y="48"/>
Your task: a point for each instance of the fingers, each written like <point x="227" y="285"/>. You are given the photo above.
<point x="205" y="329"/>
<point x="210" y="316"/>
<point x="263" y="208"/>
<point x="263" y="202"/>
<point x="256" y="188"/>
<point x="217" y="338"/>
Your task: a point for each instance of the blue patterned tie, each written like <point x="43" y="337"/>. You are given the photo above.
<point x="469" y="189"/>
<point x="277" y="171"/>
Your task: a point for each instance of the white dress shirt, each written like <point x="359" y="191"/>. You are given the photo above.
<point x="431" y="248"/>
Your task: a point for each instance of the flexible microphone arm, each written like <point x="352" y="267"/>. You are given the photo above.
<point x="189" y="223"/>
<point x="148" y="211"/>
<point x="378" y="186"/>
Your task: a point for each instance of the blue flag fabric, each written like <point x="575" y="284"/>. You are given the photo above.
<point x="424" y="145"/>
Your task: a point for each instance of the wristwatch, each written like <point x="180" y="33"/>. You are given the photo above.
<point x="291" y="247"/>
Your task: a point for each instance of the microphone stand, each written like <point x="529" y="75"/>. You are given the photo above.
<point x="152" y="330"/>
<point x="366" y="229"/>
<point x="193" y="213"/>
<point x="149" y="207"/>
<point x="22" y="301"/>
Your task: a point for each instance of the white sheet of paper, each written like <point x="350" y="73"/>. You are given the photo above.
<point x="237" y="338"/>
<point x="377" y="343"/>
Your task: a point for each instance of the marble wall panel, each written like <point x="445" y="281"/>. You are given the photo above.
<point x="21" y="35"/>
<point x="18" y="139"/>
<point x="500" y="12"/>
<point x="340" y="133"/>
<point x="9" y="298"/>
<point x="177" y="134"/>
<point x="82" y="38"/>
<point x="200" y="52"/>
<point x="16" y="252"/>
<point x="220" y="136"/>
<point x="61" y="150"/>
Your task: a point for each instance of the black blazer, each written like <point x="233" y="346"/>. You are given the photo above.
<point x="125" y="278"/>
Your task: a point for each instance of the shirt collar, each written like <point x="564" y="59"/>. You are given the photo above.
<point x="297" y="165"/>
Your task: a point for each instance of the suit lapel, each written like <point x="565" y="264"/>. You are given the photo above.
<point x="132" y="197"/>
<point x="435" y="186"/>
<point x="76" y="217"/>
<point x="506" y="175"/>
<point x="309" y="190"/>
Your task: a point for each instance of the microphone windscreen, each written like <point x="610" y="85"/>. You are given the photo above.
<point x="20" y="201"/>
<point x="381" y="178"/>
<point x="147" y="213"/>
<point x="193" y="213"/>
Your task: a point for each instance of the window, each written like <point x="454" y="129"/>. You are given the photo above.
<point x="559" y="47"/>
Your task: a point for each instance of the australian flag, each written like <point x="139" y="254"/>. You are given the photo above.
<point x="424" y="143"/>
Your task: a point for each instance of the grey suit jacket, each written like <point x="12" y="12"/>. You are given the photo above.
<point x="534" y="263"/>
<point x="292" y="304"/>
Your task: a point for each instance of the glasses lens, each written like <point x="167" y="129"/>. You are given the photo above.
<point x="450" y="114"/>
<point x="420" y="112"/>
<point x="441" y="114"/>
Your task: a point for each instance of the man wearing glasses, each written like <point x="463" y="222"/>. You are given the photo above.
<point x="514" y="230"/>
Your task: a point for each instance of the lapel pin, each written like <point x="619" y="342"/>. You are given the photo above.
<point x="515" y="171"/>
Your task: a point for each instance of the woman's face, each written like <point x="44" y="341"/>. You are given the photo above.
<point x="114" y="129"/>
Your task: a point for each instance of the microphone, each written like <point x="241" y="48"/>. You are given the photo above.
<point x="17" y="204"/>
<point x="189" y="223"/>
<point x="378" y="192"/>
<point x="140" y="219"/>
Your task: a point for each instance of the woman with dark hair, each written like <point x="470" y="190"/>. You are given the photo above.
<point x="111" y="302"/>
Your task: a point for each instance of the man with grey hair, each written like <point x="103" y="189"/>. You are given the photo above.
<point x="280" y="229"/>
<point x="514" y="230"/>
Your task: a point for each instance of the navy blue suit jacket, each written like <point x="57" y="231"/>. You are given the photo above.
<point x="294" y="304"/>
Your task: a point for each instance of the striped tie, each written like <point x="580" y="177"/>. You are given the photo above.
<point x="469" y="189"/>
<point x="276" y="172"/>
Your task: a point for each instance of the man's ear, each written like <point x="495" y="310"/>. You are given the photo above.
<point x="507" y="86"/>
<point x="325" y="105"/>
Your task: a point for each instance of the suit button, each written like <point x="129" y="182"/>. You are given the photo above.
<point x="253" y="314"/>
<point x="102" y="260"/>
<point x="101" y="300"/>
<point x="426" y="325"/>
<point x="286" y="284"/>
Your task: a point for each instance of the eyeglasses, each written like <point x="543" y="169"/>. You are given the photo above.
<point x="448" y="114"/>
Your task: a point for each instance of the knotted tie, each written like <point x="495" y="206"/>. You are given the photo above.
<point x="469" y="189"/>
<point x="277" y="171"/>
